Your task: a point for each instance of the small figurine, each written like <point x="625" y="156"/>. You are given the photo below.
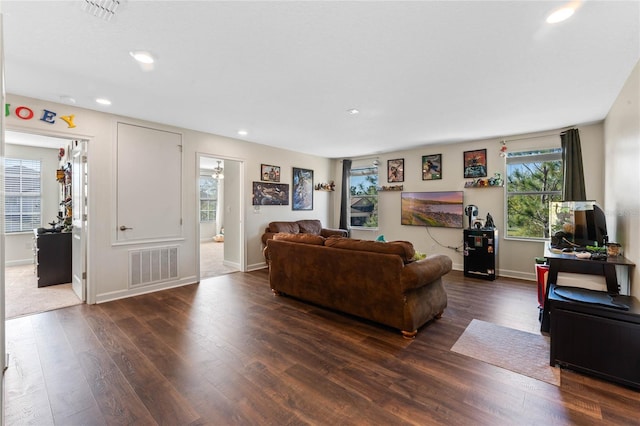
<point x="489" y="222"/>
<point x="497" y="177"/>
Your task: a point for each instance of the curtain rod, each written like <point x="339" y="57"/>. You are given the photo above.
<point x="558" y="133"/>
<point x="377" y="157"/>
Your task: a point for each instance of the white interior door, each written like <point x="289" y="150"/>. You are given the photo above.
<point x="79" y="218"/>
<point x="149" y="184"/>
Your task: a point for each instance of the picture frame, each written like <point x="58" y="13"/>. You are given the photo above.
<point x="475" y="163"/>
<point x="302" y="189"/>
<point x="433" y="209"/>
<point x="270" y="194"/>
<point x="432" y="167"/>
<point x="395" y="170"/>
<point x="269" y="173"/>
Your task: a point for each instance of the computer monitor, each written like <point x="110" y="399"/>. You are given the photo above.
<point x="583" y="223"/>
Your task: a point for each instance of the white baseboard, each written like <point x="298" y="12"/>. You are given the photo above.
<point x="256" y="266"/>
<point x="234" y="265"/>
<point x="122" y="294"/>
<point x="527" y="276"/>
<point x="19" y="262"/>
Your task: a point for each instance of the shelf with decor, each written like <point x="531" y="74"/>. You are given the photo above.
<point x="326" y="187"/>
<point x="63" y="176"/>
<point x="390" y="188"/>
<point x="495" y="181"/>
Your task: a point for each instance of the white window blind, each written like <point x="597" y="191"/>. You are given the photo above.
<point x="22" y="187"/>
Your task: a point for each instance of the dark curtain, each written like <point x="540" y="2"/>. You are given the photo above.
<point x="573" y="184"/>
<point x="344" y="199"/>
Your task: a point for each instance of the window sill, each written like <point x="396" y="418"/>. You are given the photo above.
<point x="525" y="239"/>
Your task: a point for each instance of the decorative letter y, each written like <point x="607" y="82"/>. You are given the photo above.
<point x="69" y="120"/>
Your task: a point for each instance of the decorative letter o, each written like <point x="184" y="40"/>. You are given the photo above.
<point x="19" y="110"/>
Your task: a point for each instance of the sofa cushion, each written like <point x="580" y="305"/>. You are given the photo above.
<point x="288" y="227"/>
<point x="301" y="238"/>
<point x="310" y="226"/>
<point x="404" y="249"/>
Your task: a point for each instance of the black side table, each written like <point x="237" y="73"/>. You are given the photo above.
<point x="594" y="339"/>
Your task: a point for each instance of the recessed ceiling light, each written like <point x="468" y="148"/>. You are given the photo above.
<point x="561" y="14"/>
<point x="243" y="132"/>
<point x="103" y="101"/>
<point x="142" y="57"/>
<point x="353" y="111"/>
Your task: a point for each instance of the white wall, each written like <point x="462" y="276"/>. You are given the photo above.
<point x="516" y="258"/>
<point x="622" y="172"/>
<point x="19" y="246"/>
<point x="108" y="262"/>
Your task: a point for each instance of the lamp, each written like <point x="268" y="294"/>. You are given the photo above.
<point x="218" y="171"/>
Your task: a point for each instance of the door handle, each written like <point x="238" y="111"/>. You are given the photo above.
<point x="124" y="228"/>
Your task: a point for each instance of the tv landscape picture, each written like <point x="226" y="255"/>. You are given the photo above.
<point x="438" y="209"/>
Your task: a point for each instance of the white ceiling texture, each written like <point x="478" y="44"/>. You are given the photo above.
<point x="287" y="72"/>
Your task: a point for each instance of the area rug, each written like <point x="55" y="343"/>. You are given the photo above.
<point x="518" y="351"/>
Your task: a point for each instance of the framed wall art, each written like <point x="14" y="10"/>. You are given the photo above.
<point x="432" y="167"/>
<point x="270" y="194"/>
<point x="395" y="170"/>
<point x="475" y="163"/>
<point x="270" y="173"/>
<point x="302" y="187"/>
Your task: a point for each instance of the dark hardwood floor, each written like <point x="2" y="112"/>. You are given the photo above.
<point x="227" y="351"/>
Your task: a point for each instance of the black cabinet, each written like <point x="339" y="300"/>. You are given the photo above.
<point x="596" y="340"/>
<point x="53" y="258"/>
<point x="481" y="253"/>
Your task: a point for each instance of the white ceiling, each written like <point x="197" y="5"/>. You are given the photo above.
<point x="30" y="139"/>
<point x="420" y="72"/>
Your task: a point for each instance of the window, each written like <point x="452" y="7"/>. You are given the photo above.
<point x="208" y="198"/>
<point x="534" y="179"/>
<point x="22" y="186"/>
<point x="363" y="184"/>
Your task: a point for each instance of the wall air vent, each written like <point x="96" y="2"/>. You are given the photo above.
<point x="104" y="9"/>
<point x="153" y="265"/>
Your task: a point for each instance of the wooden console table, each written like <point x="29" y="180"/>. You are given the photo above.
<point x="568" y="262"/>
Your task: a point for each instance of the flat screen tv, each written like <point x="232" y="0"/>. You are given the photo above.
<point x="438" y="209"/>
<point x="582" y="223"/>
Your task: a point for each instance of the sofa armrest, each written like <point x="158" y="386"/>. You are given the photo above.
<point x="328" y="232"/>
<point x="267" y="236"/>
<point x="419" y="273"/>
<point x="265" y="253"/>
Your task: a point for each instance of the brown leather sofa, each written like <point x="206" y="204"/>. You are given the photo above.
<point x="369" y="279"/>
<point x="308" y="226"/>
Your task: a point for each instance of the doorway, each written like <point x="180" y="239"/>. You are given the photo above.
<point x="44" y="209"/>
<point x="221" y="247"/>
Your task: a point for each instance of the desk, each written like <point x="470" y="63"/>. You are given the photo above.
<point x="568" y="262"/>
